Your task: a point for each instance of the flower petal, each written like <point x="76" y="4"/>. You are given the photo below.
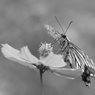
<point x="45" y="59"/>
<point x="70" y="73"/>
<point x="29" y="56"/>
<point x="55" y="60"/>
<point x="18" y="56"/>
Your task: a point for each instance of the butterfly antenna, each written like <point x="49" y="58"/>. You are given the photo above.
<point x="68" y="27"/>
<point x="59" y="23"/>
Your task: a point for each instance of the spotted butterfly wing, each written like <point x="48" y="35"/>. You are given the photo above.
<point x="74" y="55"/>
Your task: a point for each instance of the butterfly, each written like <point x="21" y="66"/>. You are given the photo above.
<point x="72" y="54"/>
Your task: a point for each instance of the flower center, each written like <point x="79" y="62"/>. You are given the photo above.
<point x="42" y="68"/>
<point x="45" y="49"/>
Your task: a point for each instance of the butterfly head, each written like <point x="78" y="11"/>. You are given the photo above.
<point x="45" y="49"/>
<point x="63" y="36"/>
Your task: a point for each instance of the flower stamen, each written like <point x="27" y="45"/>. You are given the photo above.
<point x="45" y="49"/>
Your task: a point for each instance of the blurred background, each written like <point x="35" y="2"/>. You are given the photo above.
<point x="22" y="23"/>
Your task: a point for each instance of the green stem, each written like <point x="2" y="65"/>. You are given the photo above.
<point x="41" y="79"/>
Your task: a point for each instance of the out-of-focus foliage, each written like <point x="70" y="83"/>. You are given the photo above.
<point x="22" y="23"/>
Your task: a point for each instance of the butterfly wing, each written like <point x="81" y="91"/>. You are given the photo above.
<point x="80" y="57"/>
<point x="53" y="32"/>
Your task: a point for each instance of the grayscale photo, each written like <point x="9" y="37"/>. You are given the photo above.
<point x="47" y="47"/>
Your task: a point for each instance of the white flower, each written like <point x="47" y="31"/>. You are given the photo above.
<point x="23" y="56"/>
<point x="47" y="60"/>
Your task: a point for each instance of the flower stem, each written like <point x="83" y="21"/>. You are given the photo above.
<point x="41" y="79"/>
